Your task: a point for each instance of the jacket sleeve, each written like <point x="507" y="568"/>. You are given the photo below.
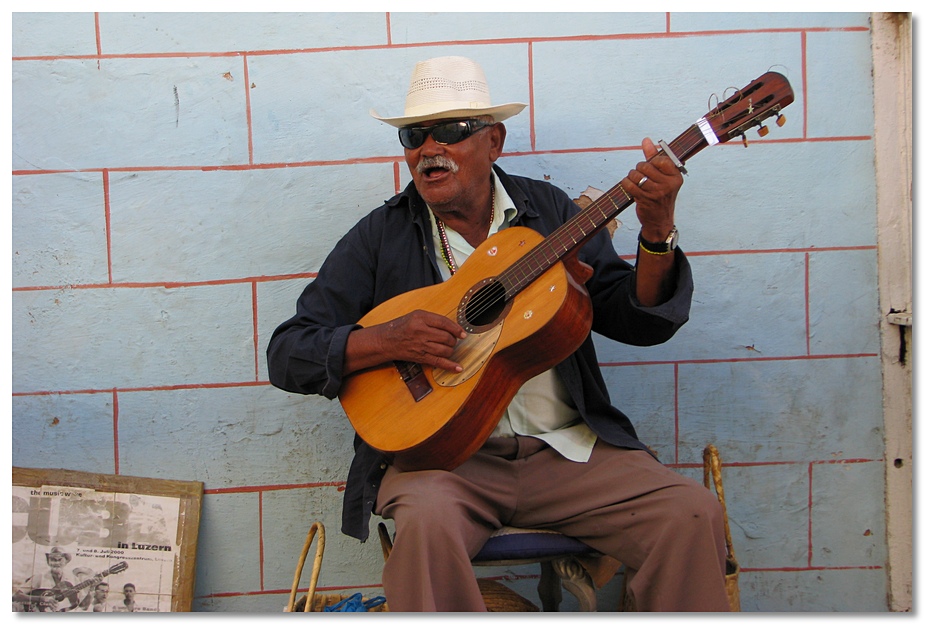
<point x="618" y="315"/>
<point x="306" y="353"/>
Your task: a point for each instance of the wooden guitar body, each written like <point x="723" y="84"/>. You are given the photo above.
<point x="504" y="348"/>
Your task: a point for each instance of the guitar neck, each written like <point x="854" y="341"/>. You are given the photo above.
<point x="85" y="583"/>
<point x="570" y="236"/>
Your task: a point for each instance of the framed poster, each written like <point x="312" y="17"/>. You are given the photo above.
<point x="88" y="542"/>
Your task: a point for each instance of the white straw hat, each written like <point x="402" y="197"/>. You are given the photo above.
<point x="448" y="87"/>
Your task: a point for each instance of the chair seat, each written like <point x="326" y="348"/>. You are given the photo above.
<point x="557" y="554"/>
<point x="510" y="543"/>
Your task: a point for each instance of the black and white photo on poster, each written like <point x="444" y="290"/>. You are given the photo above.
<point x="81" y="550"/>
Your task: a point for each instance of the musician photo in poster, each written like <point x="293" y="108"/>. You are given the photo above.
<point x="80" y="550"/>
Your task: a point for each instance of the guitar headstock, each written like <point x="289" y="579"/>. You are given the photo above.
<point x="760" y="99"/>
<point x="118" y="568"/>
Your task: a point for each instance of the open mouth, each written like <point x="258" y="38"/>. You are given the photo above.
<point x="436" y="166"/>
<point x="434" y="172"/>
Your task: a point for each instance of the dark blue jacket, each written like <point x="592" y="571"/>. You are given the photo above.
<point x="389" y="252"/>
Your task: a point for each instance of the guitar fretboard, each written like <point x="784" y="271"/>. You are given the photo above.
<point x="576" y="231"/>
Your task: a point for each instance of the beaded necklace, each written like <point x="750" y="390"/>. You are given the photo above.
<point x="445" y="249"/>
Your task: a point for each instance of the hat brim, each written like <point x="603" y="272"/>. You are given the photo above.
<point x="500" y="113"/>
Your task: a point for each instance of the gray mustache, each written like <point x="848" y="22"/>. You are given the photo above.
<point x="429" y="162"/>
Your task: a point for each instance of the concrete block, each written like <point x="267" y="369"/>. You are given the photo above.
<point x="347" y="563"/>
<point x="683" y="21"/>
<point x="745" y="306"/>
<point x="782" y="411"/>
<point x="129" y="112"/>
<point x="839" y="78"/>
<point x="848" y="524"/>
<point x="57" y="431"/>
<point x="233" y="224"/>
<point x="437" y="27"/>
<point x="761" y="210"/>
<point x="59" y="230"/>
<point x="53" y="34"/>
<point x="646" y="87"/>
<point x="769" y="512"/>
<point x="646" y="394"/>
<point x="228" y="553"/>
<point x="134" y="33"/>
<point x="276" y="302"/>
<point x="816" y="591"/>
<point x="232" y="437"/>
<point x="77" y="339"/>
<point x="844" y="302"/>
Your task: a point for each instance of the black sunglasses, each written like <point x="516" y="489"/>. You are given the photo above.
<point x="413" y="137"/>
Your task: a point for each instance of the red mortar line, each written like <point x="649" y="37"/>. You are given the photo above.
<point x="783" y="250"/>
<point x="372" y="160"/>
<point x="396" y="176"/>
<point x="312" y="274"/>
<point x="256" y="332"/>
<point x="432" y="44"/>
<point x="806" y="316"/>
<point x="143" y="389"/>
<point x="677" y="413"/>
<point x="271" y="487"/>
<point x="809" y="510"/>
<point x="260" y="535"/>
<point x="794" y="569"/>
<point x="281" y="591"/>
<point x="265" y="488"/>
<point x="218" y="385"/>
<point x="171" y="285"/>
<point x="774" y="463"/>
<point x="531" y="98"/>
<point x="711" y="361"/>
<point x="805" y="102"/>
<point x="115" y="431"/>
<point x="96" y="28"/>
<point x="108" y="219"/>
<point x="779" y="250"/>
<point x="247" y="109"/>
<point x="207" y="168"/>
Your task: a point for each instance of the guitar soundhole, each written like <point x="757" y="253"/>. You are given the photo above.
<point x="483" y="306"/>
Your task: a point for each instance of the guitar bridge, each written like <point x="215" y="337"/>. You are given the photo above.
<point x="412" y="374"/>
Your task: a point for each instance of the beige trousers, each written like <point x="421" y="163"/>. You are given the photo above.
<point x="665" y="528"/>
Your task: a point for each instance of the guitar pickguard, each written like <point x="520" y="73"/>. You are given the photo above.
<point x="471" y="352"/>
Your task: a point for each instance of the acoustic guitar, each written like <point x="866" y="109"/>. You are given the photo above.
<point x="522" y="301"/>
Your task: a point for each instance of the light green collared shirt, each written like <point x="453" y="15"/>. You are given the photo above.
<point x="542" y="408"/>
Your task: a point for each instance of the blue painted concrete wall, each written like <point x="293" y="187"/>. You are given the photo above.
<point x="178" y="178"/>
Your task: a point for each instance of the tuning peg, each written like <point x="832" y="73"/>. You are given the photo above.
<point x="763" y="131"/>
<point x="781" y="120"/>
<point x="744" y="140"/>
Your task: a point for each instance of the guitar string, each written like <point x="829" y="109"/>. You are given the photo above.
<point x="684" y="146"/>
<point x="525" y="269"/>
<point x="576" y="224"/>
